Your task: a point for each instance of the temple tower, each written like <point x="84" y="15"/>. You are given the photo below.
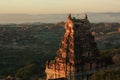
<point x="77" y="54"/>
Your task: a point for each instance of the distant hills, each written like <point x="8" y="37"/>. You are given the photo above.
<point x="109" y="17"/>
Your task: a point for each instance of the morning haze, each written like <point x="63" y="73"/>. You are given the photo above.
<point x="58" y="6"/>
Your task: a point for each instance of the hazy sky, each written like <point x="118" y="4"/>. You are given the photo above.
<point x="58" y="6"/>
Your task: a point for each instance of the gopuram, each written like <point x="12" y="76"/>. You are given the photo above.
<point x="78" y="55"/>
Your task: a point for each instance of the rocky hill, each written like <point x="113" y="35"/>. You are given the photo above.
<point x="24" y="48"/>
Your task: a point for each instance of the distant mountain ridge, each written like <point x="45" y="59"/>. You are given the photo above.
<point x="54" y="18"/>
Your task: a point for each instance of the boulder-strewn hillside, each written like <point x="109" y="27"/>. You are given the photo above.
<point x="107" y="35"/>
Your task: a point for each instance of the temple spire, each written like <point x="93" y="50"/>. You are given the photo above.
<point x="77" y="53"/>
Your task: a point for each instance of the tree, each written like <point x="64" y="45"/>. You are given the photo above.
<point x="26" y="72"/>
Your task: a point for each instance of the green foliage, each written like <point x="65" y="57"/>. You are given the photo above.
<point x="107" y="75"/>
<point x="111" y="55"/>
<point x="38" y="45"/>
<point x="26" y="72"/>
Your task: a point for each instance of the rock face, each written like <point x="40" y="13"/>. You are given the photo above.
<point x="77" y="52"/>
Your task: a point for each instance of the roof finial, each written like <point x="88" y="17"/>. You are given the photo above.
<point x="69" y="16"/>
<point x="85" y="16"/>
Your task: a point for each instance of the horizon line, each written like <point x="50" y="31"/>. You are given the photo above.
<point x="55" y="13"/>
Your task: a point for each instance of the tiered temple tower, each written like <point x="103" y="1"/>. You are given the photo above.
<point x="78" y="55"/>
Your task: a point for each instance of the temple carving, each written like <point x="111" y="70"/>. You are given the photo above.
<point x="78" y="54"/>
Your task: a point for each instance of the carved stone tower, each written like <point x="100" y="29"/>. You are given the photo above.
<point x="77" y="52"/>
